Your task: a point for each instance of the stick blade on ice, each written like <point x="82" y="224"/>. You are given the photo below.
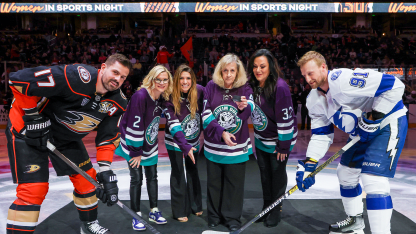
<point x="214" y="232"/>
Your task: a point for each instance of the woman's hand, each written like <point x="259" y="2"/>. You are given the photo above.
<point x="227" y="138"/>
<point x="135" y="161"/>
<point x="280" y="157"/>
<point x="243" y="104"/>
<point x="191" y="154"/>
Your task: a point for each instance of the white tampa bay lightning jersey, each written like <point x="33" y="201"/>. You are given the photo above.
<point x="350" y="93"/>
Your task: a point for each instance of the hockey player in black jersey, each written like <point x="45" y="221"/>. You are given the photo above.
<point x="63" y="104"/>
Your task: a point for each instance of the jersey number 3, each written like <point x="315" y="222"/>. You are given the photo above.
<point x="48" y="74"/>
<point x="288" y="113"/>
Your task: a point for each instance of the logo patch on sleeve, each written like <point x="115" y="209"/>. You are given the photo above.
<point x="84" y="74"/>
<point x="335" y="75"/>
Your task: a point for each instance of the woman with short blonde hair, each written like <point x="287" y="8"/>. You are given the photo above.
<point x="227" y="146"/>
<point x="139" y="130"/>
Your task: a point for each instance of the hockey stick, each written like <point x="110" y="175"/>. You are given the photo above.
<point x="53" y="149"/>
<point x="292" y="190"/>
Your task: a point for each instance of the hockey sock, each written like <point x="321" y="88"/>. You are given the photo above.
<point x="379" y="203"/>
<point x="352" y="199"/>
<point x="379" y="209"/>
<point x="22" y="217"/>
<point x="86" y="205"/>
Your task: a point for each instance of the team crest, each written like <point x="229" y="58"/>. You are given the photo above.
<point x="152" y="131"/>
<point x="32" y="168"/>
<point x="335" y="75"/>
<point x="227" y="118"/>
<point x="80" y="122"/>
<point x="191" y="126"/>
<point x="107" y="107"/>
<point x="259" y="119"/>
<point x="84" y="74"/>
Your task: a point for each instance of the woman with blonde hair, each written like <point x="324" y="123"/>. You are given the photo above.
<point x="183" y="115"/>
<point x="227" y="146"/>
<point x="139" y="129"/>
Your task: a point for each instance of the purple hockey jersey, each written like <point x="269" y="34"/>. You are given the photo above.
<point x="181" y="131"/>
<point x="139" y="128"/>
<point x="275" y="126"/>
<point x="221" y="113"/>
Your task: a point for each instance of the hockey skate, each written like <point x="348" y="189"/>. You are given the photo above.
<point x="351" y="225"/>
<point x="93" y="228"/>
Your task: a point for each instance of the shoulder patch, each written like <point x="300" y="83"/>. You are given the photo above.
<point x="84" y="74"/>
<point x="335" y="75"/>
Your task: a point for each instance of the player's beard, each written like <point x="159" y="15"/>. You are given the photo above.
<point x="106" y="82"/>
<point x="318" y="83"/>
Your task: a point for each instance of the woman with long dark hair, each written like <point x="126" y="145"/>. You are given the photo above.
<point x="183" y="114"/>
<point x="275" y="128"/>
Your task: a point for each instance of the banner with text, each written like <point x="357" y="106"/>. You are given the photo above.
<point x="209" y="7"/>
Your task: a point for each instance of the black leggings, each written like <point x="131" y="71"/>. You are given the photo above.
<point x="273" y="176"/>
<point x="136" y="181"/>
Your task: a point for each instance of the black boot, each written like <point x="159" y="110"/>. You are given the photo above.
<point x="266" y="203"/>
<point x="274" y="217"/>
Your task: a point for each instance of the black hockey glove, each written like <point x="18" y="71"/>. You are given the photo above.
<point x="38" y="131"/>
<point x="109" y="194"/>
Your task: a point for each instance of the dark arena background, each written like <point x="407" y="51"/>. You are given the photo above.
<point x="370" y="35"/>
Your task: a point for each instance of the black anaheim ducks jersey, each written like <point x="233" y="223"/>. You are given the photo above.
<point x="67" y="95"/>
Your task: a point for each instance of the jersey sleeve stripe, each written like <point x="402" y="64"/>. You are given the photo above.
<point x="172" y="126"/>
<point x="134" y="132"/>
<point x="323" y="130"/>
<point x="251" y="103"/>
<point x="207" y="119"/>
<point x="288" y="131"/>
<point x="175" y="129"/>
<point x="387" y="83"/>
<point x="286" y="137"/>
<point x="281" y="125"/>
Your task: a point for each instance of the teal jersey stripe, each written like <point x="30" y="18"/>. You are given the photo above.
<point x="134" y="143"/>
<point x="291" y="147"/>
<point x="228" y="159"/>
<point x="252" y="106"/>
<point x="119" y="151"/>
<point x="150" y="162"/>
<point x="286" y="137"/>
<point x="263" y="147"/>
<point x="175" y="130"/>
<point x="208" y="120"/>
<point x="169" y="147"/>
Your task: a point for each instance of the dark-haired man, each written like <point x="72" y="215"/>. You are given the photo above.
<point x="63" y="104"/>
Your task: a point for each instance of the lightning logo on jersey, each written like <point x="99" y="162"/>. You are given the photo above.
<point x="393" y="141"/>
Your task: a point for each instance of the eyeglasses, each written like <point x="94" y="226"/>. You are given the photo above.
<point x="159" y="81"/>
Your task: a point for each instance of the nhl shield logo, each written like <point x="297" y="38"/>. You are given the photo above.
<point x="226" y="116"/>
<point x="152" y="131"/>
<point x="191" y="126"/>
<point x="259" y="119"/>
<point x="84" y="74"/>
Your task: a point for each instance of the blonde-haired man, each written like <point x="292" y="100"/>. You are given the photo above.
<point x="366" y="104"/>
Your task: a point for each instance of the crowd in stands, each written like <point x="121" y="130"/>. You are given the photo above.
<point x="348" y="51"/>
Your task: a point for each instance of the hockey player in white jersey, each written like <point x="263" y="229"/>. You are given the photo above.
<point x="362" y="103"/>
